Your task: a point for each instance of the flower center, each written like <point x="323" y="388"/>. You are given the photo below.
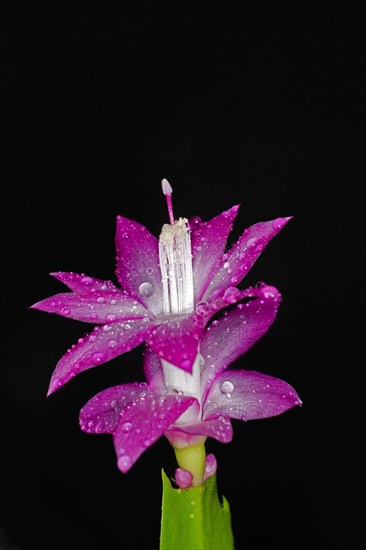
<point x="175" y="255"/>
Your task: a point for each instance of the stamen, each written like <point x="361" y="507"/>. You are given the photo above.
<point x="176" y="268"/>
<point x="167" y="190"/>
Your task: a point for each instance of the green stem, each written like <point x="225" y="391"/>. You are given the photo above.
<point x="193" y="459"/>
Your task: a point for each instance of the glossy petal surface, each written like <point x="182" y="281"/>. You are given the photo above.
<point x="176" y="339"/>
<point x="241" y="257"/>
<point x="153" y="371"/>
<point x="143" y="422"/>
<point x="208" y="245"/>
<point x="83" y="283"/>
<point x="249" y="395"/>
<point x="101" y="413"/>
<point x="229" y="337"/>
<point x="138" y="268"/>
<point x="98" y="306"/>
<point x="100" y="346"/>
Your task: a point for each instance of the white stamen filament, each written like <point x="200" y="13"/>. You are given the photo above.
<point x="176" y="268"/>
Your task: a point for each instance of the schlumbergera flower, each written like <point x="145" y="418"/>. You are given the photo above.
<point x="171" y="288"/>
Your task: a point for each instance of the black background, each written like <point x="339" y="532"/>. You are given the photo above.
<point x="263" y="106"/>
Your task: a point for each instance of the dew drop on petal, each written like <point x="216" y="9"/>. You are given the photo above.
<point x="126" y="427"/>
<point x="101" y="300"/>
<point x="251" y="242"/>
<point x="145" y="289"/>
<point x="112" y="343"/>
<point x="87" y="281"/>
<point x="226" y="388"/>
<point x="202" y="309"/>
<point x="227" y="266"/>
<point x="111" y="317"/>
<point x="65" y="311"/>
<point x="98" y="358"/>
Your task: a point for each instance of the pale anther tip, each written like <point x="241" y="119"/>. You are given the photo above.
<point x="167" y="188"/>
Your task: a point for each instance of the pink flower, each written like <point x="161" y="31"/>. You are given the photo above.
<point x="140" y="310"/>
<point x="137" y="414"/>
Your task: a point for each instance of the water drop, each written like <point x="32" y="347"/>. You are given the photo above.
<point x="126" y="427"/>
<point x="65" y="311"/>
<point x="113" y="302"/>
<point x="231" y="295"/>
<point x="125" y="235"/>
<point x="87" y="281"/>
<point x="112" y="343"/>
<point x="251" y="242"/>
<point x="145" y="289"/>
<point x="98" y="358"/>
<point x="202" y="309"/>
<point x="226" y="388"/>
<point x="111" y="317"/>
<point x="227" y="266"/>
<point x="101" y="300"/>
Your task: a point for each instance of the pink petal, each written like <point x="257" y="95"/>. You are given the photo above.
<point x="183" y="478"/>
<point x="241" y="257"/>
<point x="143" y="422"/>
<point x="153" y="371"/>
<point x="101" y="413"/>
<point x="236" y="331"/>
<point x="210" y="466"/>
<point x="97" y="306"/>
<point x="82" y="283"/>
<point x="138" y="268"/>
<point x="208" y="245"/>
<point x="217" y="428"/>
<point x="100" y="346"/>
<point x="176" y="339"/>
<point x="249" y="395"/>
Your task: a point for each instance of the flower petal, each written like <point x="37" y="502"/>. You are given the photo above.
<point x="98" y="347"/>
<point x="142" y="423"/>
<point x="154" y="371"/>
<point x="236" y="331"/>
<point x="241" y="257"/>
<point x="97" y="307"/>
<point x="82" y="283"/>
<point x="176" y="339"/>
<point x="101" y="413"/>
<point x="249" y="395"/>
<point x="208" y="245"/>
<point x="138" y="268"/>
<point x="218" y="428"/>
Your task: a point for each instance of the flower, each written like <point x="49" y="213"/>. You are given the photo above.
<point x="151" y="306"/>
<point x="137" y="414"/>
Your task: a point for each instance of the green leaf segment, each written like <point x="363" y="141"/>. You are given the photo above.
<point x="194" y="518"/>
